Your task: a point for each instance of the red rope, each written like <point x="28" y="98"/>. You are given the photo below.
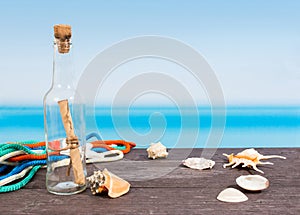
<point x="35" y="145"/>
<point x="106" y="144"/>
<point x="27" y="157"/>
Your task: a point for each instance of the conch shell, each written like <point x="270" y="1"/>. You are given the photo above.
<point x="102" y="181"/>
<point x="157" y="150"/>
<point x="249" y="158"/>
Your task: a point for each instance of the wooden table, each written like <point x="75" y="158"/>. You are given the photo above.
<point x="166" y="187"/>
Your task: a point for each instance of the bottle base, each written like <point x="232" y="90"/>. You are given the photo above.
<point x="66" y="188"/>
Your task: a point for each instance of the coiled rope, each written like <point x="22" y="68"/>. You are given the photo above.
<point x="23" y="159"/>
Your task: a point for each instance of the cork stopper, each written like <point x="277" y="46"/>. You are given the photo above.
<point x="63" y="34"/>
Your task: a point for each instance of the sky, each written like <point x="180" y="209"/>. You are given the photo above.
<point x="252" y="46"/>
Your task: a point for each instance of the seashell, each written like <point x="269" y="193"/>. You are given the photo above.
<point x="249" y="158"/>
<point x="232" y="195"/>
<point x="157" y="150"/>
<point x="116" y="186"/>
<point x="102" y="181"/>
<point x="96" y="182"/>
<point x="198" y="163"/>
<point x="252" y="182"/>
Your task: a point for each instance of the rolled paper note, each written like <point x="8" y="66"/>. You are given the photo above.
<point x="72" y="141"/>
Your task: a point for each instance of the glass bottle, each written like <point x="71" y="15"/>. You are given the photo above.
<point x="66" y="168"/>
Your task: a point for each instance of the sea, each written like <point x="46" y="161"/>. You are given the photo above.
<point x="201" y="127"/>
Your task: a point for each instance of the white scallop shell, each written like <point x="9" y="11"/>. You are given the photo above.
<point x="252" y="182"/>
<point x="198" y="163"/>
<point x="232" y="195"/>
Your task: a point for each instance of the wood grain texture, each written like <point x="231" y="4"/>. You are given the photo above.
<point x="167" y="187"/>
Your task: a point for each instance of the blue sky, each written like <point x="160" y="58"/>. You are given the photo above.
<point x="253" y="46"/>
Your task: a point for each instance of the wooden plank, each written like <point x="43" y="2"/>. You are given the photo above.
<point x="166" y="187"/>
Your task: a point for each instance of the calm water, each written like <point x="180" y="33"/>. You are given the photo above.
<point x="245" y="126"/>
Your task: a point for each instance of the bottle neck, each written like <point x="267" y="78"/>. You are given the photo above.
<point x="63" y="68"/>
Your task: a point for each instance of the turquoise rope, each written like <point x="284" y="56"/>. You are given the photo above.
<point x="25" y="142"/>
<point x="8" y="148"/>
<point x="119" y="147"/>
<point x="19" y="185"/>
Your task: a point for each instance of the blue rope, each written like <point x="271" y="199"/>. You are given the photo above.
<point x="3" y="168"/>
<point x="53" y="158"/>
<point x="40" y="148"/>
<point x="22" y="166"/>
<point x="26" y="164"/>
<point x="93" y="134"/>
<point x="99" y="149"/>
